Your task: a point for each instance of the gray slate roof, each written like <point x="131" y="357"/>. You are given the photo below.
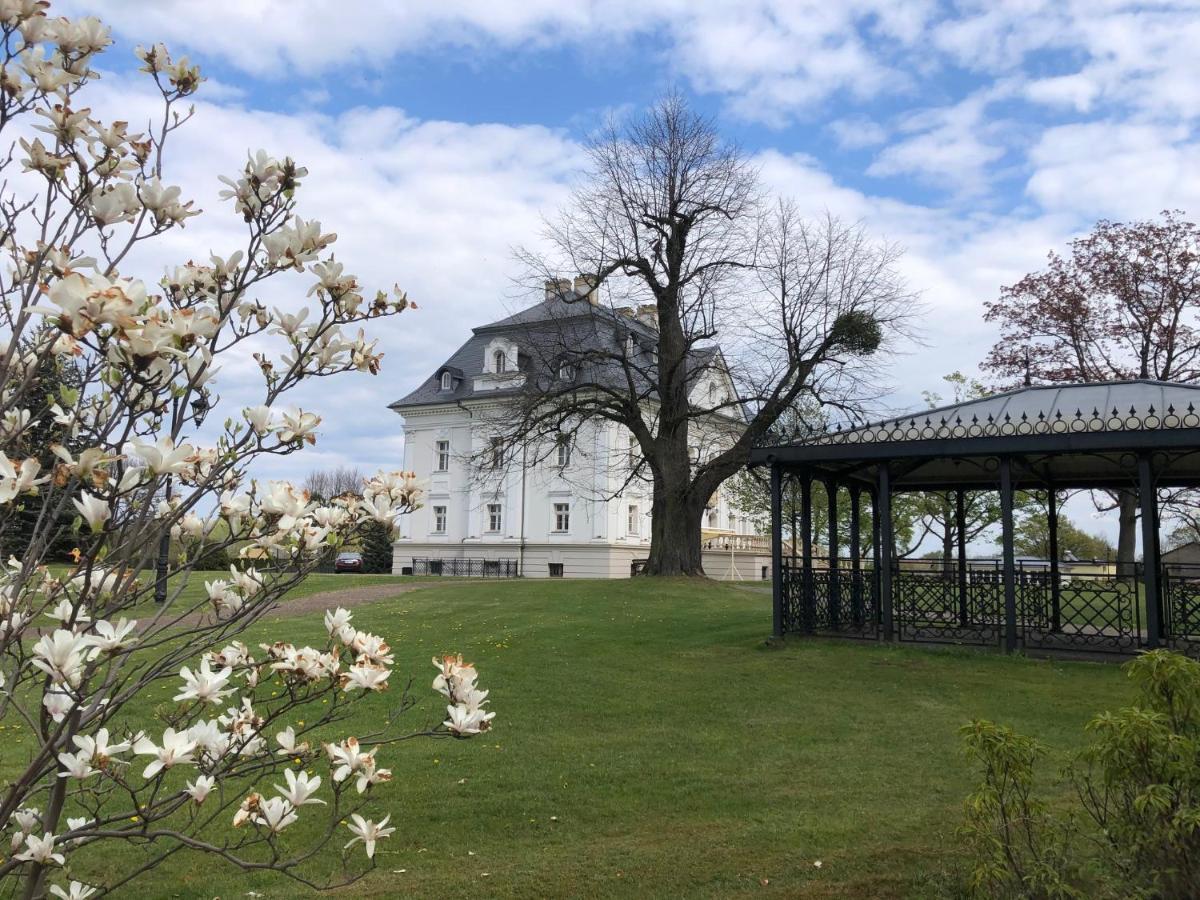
<point x="1108" y="405"/>
<point x="537" y="331"/>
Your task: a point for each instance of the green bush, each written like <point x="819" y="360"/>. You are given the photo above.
<point x="1134" y="830"/>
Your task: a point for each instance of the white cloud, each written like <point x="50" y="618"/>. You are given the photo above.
<point x="1117" y="170"/>
<point x="951" y="146"/>
<point x="855" y="133"/>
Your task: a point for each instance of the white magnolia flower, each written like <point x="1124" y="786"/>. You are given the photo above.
<point x="18" y="478"/>
<point x="348" y="758"/>
<point x="464" y="721"/>
<point x="163" y="458"/>
<point x="65" y="611"/>
<point x="259" y="418"/>
<point x="368" y="832"/>
<point x="61" y="656"/>
<point x="299" y="427"/>
<point x="276" y="814"/>
<point x="58" y="703"/>
<point x="40" y="850"/>
<point x="117" y="203"/>
<point x="337" y="623"/>
<point x="288" y="745"/>
<point x="109" y="638"/>
<point x="365" y="677"/>
<point x="201" y="788"/>
<point x="204" y="684"/>
<point x="94" y="510"/>
<point x="97" y="749"/>
<point x="371" y="776"/>
<point x="300" y="788"/>
<point x="211" y="741"/>
<point x="77" y="890"/>
<point x="176" y="749"/>
<point x="455" y="677"/>
<point x="76" y="765"/>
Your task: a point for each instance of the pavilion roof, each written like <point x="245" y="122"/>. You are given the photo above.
<point x="1083" y="435"/>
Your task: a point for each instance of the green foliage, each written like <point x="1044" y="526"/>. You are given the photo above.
<point x="1031" y="537"/>
<point x="1139" y="779"/>
<point x="1138" y="788"/>
<point x="1018" y="848"/>
<point x="377" y="549"/>
<point x="858" y="332"/>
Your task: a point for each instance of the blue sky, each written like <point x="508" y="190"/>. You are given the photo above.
<point x="978" y="135"/>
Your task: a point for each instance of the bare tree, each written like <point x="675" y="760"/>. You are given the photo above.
<point x="329" y="483"/>
<point x="679" y="242"/>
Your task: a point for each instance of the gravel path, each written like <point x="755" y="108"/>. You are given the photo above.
<point x="346" y="597"/>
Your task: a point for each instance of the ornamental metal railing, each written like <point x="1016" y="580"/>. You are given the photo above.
<point x="1181" y="607"/>
<point x="1070" y="607"/>
<point x="466" y="567"/>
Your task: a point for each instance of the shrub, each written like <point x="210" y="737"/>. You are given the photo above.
<point x="1135" y="829"/>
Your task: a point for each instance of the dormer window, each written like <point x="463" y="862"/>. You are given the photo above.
<point x="499" y="362"/>
<point x="447" y="381"/>
<point x="629" y="345"/>
<point x="566" y="372"/>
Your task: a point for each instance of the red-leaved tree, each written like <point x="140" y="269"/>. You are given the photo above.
<point x="1121" y="303"/>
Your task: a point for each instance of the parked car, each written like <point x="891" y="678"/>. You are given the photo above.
<point x="348" y="562"/>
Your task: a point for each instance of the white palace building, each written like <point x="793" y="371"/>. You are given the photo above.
<point x="575" y="512"/>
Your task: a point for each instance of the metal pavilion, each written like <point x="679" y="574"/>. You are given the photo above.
<point x="1137" y="436"/>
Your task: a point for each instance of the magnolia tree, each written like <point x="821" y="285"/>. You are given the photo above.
<point x="153" y="724"/>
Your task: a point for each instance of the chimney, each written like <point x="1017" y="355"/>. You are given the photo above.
<point x="647" y="314"/>
<point x="587" y="285"/>
<point x="558" y="289"/>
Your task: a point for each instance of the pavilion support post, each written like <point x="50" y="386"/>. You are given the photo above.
<point x="835" y="593"/>
<point x="883" y="515"/>
<point x="960" y="530"/>
<point x="1008" y="563"/>
<point x="856" y="611"/>
<point x="808" y="597"/>
<point x="1148" y="497"/>
<point x="777" y="582"/>
<point x="876" y="586"/>
<point x="1055" y="579"/>
<point x="795" y="506"/>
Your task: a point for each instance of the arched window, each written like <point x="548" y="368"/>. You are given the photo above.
<point x="499" y="361"/>
<point x="447" y="381"/>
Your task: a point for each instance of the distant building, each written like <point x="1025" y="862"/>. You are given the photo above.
<point x="575" y="513"/>
<point x="1183" y="560"/>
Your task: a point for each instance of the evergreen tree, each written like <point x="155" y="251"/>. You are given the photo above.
<point x="377" y="549"/>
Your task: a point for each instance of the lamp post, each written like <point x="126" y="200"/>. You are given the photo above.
<point x="200" y="409"/>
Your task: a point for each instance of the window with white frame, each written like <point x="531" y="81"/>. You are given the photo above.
<point x="499" y="361"/>
<point x="634" y="452"/>
<point x="714" y="519"/>
<point x="634" y="526"/>
<point x="562" y="517"/>
<point x="563" y="451"/>
<point x="439" y="520"/>
<point x="447" y="381"/>
<point x="566" y="372"/>
<point x="495" y="521"/>
<point x="442" y="454"/>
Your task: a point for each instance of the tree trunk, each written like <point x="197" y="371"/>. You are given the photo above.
<point x="675" y="532"/>
<point x="948" y="532"/>
<point x="1127" y="504"/>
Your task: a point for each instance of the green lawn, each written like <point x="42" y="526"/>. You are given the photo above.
<point x="648" y="744"/>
